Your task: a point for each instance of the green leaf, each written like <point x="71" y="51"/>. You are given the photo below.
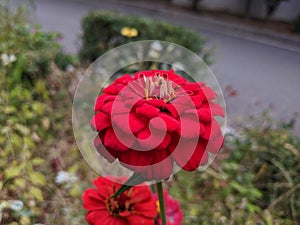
<point x="37" y="178"/>
<point x="135" y="179"/>
<point x="75" y="191"/>
<point x="9" y="109"/>
<point x="37" y="161"/>
<point x="23" y="129"/>
<point x="37" y="193"/>
<point x="12" y="172"/>
<point x="20" y="182"/>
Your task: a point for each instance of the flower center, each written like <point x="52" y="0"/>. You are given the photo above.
<point x="119" y="206"/>
<point x="159" y="87"/>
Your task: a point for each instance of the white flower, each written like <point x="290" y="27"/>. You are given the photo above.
<point x="16" y="205"/>
<point x="64" y="177"/>
<point x="8" y="59"/>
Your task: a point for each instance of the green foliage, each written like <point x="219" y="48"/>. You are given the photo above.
<point x="296" y="24"/>
<point x="33" y="49"/>
<point x="103" y="31"/>
<point x="257" y="183"/>
<point x="33" y="118"/>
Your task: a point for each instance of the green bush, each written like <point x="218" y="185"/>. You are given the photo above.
<point x="254" y="181"/>
<point x="35" y="127"/>
<point x="103" y="31"/>
<point x="296" y="24"/>
<point x="31" y="51"/>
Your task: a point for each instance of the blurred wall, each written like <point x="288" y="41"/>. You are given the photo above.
<point x="287" y="10"/>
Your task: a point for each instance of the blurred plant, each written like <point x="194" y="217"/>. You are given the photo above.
<point x="103" y="31"/>
<point x="257" y="183"/>
<point x="272" y="6"/>
<point x="296" y="24"/>
<point x="35" y="111"/>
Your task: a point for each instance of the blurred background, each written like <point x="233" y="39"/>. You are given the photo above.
<point x="253" y="48"/>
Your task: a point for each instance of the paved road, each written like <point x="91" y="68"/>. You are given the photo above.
<point x="264" y="73"/>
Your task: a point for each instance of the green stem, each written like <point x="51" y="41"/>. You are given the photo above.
<point x="161" y="203"/>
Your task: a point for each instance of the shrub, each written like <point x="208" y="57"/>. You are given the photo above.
<point x="296" y="24"/>
<point x="255" y="181"/>
<point x="34" y="123"/>
<point x="105" y="30"/>
<point x="31" y="49"/>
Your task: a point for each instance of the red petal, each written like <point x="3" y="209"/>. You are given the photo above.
<point x="204" y="115"/>
<point x="170" y="107"/>
<point x="103" y="151"/>
<point x="147" y="110"/>
<point x="197" y="99"/>
<point x="137" y="158"/>
<point x="101" y="100"/>
<point x="157" y="103"/>
<point x="149" y="140"/>
<point x="216" y="109"/>
<point x="194" y="162"/>
<point x="136" y="123"/>
<point x="112" y="141"/>
<point x="136" y="219"/>
<point x="189" y="126"/>
<point x="204" y="159"/>
<point x="215" y="144"/>
<point x="208" y="93"/>
<point x="171" y="123"/>
<point x="111" y="89"/>
<point x="185" y="152"/>
<point x="191" y="86"/>
<point x="100" y="121"/>
<point x="212" y="130"/>
<point x="107" y="107"/>
<point x="93" y="200"/>
<point x="125" y="79"/>
<point x="165" y="143"/>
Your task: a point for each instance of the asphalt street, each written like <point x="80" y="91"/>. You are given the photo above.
<point x="262" y="73"/>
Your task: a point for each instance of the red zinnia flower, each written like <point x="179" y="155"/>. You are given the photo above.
<point x="154" y="119"/>
<point x="135" y="206"/>
<point x="174" y="214"/>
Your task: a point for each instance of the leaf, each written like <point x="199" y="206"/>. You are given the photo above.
<point x="20" y="182"/>
<point x="37" y="193"/>
<point x="75" y="191"/>
<point x="12" y="172"/>
<point x="23" y="129"/>
<point x="38" y="108"/>
<point x="135" y="179"/>
<point x="37" y="161"/>
<point x="9" y="109"/>
<point x="37" y="178"/>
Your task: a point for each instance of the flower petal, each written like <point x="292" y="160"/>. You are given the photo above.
<point x="113" y="142"/>
<point x="100" y="121"/>
<point x="101" y="99"/>
<point x="125" y="79"/>
<point x="103" y="151"/>
<point x="147" y="110"/>
<point x="136" y="219"/>
<point x="190" y="158"/>
<point x="171" y="123"/>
